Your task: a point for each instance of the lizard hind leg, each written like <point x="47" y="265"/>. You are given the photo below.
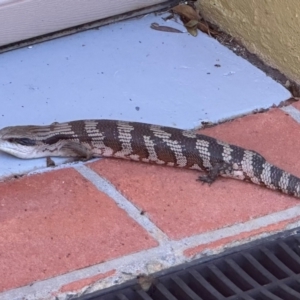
<point x="217" y="170"/>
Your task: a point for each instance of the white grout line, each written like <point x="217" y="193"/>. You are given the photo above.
<point x="146" y="261"/>
<point x="248" y="226"/>
<point x="203" y="238"/>
<point x="293" y="112"/>
<point x="128" y="267"/>
<point x="106" y="187"/>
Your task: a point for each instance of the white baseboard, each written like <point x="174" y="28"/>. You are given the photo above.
<point x="25" y="19"/>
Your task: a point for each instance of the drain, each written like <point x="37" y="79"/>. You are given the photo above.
<point x="269" y="270"/>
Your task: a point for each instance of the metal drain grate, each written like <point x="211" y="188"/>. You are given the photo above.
<point x="267" y="271"/>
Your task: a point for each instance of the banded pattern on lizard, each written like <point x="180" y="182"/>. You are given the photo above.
<point x="147" y="143"/>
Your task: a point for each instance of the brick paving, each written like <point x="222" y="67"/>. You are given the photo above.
<point x="65" y="231"/>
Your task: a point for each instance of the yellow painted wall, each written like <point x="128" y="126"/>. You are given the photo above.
<point x="268" y="28"/>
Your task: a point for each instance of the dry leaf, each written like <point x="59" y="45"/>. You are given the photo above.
<point x="192" y="31"/>
<point x="145" y="281"/>
<point x="186" y="11"/>
<point x="188" y="15"/>
<point x="204" y="28"/>
<point x="191" y="23"/>
<point x="191" y="27"/>
<point x="156" y="26"/>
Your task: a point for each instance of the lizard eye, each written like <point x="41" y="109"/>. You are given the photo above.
<point x="22" y="141"/>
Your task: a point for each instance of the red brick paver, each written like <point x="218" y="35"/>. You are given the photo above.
<point x="56" y="222"/>
<point x="181" y="206"/>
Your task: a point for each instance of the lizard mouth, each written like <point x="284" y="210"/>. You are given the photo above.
<point x="22" y="141"/>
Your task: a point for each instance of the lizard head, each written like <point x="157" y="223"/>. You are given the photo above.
<point x="18" y="141"/>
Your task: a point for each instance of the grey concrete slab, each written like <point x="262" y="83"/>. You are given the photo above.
<point x="128" y="71"/>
